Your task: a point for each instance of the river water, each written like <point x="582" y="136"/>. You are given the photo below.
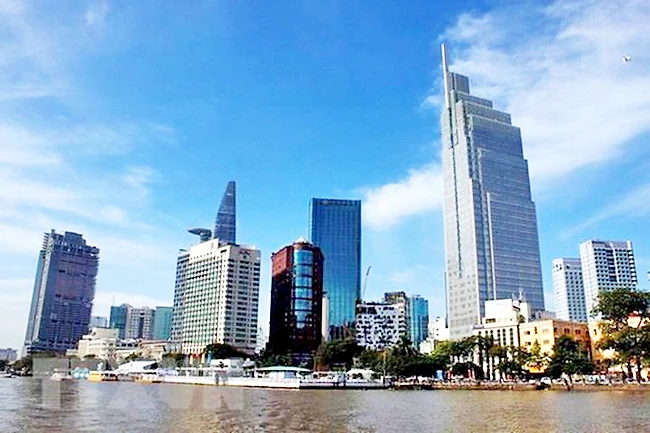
<point x="29" y="404"/>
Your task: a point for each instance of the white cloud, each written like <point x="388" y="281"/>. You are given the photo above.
<point x="96" y="14"/>
<point x="420" y="191"/>
<point x="566" y="86"/>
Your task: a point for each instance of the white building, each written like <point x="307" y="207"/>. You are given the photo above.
<point x="139" y="323"/>
<point x="438" y="329"/>
<point x="502" y="319"/>
<point x="606" y="265"/>
<point x="569" y="291"/>
<point x="216" y="297"/>
<point x="99" y="343"/>
<point x="379" y="325"/>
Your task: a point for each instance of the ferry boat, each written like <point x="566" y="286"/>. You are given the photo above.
<point x="102" y="376"/>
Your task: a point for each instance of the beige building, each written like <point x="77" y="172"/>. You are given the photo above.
<point x="546" y="332"/>
<point x="602" y="357"/>
<point x="216" y="297"/>
<point x="100" y="343"/>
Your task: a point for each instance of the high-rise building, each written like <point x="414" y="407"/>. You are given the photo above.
<point x="225" y="226"/>
<point x="569" y="291"/>
<point x="139" y="324"/>
<point x="336" y="229"/>
<point x="417" y="309"/>
<point x="118" y="318"/>
<point x="606" y="265"/>
<point x="162" y="323"/>
<point x="396" y="298"/>
<point x="64" y="290"/>
<point x="296" y="301"/>
<point x="490" y="223"/>
<point x="98" y="322"/>
<point x="216" y="297"/>
<point x="379" y="325"/>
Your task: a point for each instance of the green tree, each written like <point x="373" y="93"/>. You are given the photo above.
<point x="269" y="358"/>
<point x="625" y="314"/>
<point x="484" y="345"/>
<point x="570" y="358"/>
<point x="223" y="351"/>
<point x="337" y="354"/>
<point x="536" y="359"/>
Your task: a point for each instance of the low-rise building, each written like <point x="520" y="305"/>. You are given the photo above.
<point x="502" y="320"/>
<point x="379" y="325"/>
<point x="9" y="355"/>
<point x="99" y="343"/>
<point x="546" y="332"/>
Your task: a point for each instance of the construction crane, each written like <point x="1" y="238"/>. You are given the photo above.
<point x="365" y="283"/>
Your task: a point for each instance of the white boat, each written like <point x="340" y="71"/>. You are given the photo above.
<point x="59" y="376"/>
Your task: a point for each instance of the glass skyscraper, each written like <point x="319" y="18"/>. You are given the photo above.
<point x="63" y="293"/>
<point x="296" y="301"/>
<point x="162" y="323"/>
<point x="490" y="223"/>
<point x="417" y="310"/>
<point x="225" y="225"/>
<point x="336" y="230"/>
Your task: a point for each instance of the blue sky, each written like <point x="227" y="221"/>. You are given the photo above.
<point x="124" y="121"/>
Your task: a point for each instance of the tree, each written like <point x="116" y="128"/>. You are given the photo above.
<point x="569" y="358"/>
<point x="625" y="314"/>
<point x="536" y="360"/>
<point x="269" y="358"/>
<point x="337" y="354"/>
<point x="223" y="351"/>
<point x="484" y="344"/>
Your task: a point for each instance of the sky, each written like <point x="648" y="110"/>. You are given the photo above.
<point x="124" y="121"/>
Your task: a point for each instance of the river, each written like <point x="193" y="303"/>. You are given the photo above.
<point x="29" y="404"/>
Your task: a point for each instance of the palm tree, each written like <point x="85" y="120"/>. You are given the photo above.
<point x="483" y="345"/>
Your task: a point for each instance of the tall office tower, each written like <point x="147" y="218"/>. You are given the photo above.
<point x="296" y="301"/>
<point x="98" y="322"/>
<point x="63" y="293"/>
<point x="336" y="229"/>
<point x="490" y="225"/>
<point x="225" y="226"/>
<point x="139" y="324"/>
<point x="162" y="323"/>
<point x="118" y="318"/>
<point x="216" y="297"/>
<point x="418" y="319"/>
<point x="606" y="265"/>
<point x="569" y="290"/>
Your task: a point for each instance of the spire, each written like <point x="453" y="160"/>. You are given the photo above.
<point x="445" y="73"/>
<point x="225" y="226"/>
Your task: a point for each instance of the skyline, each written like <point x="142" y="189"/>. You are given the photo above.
<point x="112" y="129"/>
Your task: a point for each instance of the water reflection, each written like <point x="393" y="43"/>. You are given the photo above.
<point x="46" y="406"/>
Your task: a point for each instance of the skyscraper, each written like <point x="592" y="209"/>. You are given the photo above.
<point x="418" y="319"/>
<point x="216" y="297"/>
<point x="162" y="323"/>
<point x="225" y="226"/>
<point x="296" y="301"/>
<point x="64" y="290"/>
<point x="336" y="230"/>
<point x="606" y="265"/>
<point x="490" y="224"/>
<point x="118" y="318"/>
<point x="569" y="290"/>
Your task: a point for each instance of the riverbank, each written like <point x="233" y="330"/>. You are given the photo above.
<point x="517" y="386"/>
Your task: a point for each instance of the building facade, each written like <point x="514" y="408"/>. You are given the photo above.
<point x="162" y="323"/>
<point x="296" y="301"/>
<point x="139" y="324"/>
<point x="9" y="355"/>
<point x="569" y="290"/>
<point x="546" y="332"/>
<point x="336" y="229"/>
<point x="63" y="295"/>
<point x="98" y="322"/>
<point x="606" y="265"/>
<point x="99" y="343"/>
<point x="417" y="309"/>
<point x="490" y="223"/>
<point x="216" y="297"/>
<point x="379" y="325"/>
<point x="118" y="319"/>
<point x="502" y="320"/>
<point x="225" y="226"/>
